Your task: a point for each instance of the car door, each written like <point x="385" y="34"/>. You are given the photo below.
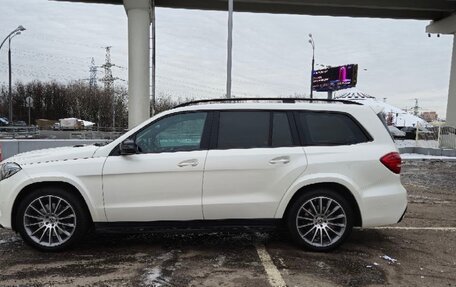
<point x="255" y="158"/>
<point x="163" y="180"/>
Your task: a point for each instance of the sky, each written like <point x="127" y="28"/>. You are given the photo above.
<point x="271" y="54"/>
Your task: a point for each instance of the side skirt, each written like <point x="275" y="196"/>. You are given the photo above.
<point x="189" y="226"/>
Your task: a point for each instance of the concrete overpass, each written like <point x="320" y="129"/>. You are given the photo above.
<point x="140" y="14"/>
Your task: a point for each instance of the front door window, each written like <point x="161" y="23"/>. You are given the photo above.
<point x="181" y="132"/>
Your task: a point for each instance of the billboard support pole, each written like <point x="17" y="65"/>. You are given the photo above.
<point x="230" y="49"/>
<point x="312" y="43"/>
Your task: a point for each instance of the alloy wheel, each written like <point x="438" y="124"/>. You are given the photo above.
<point x="50" y="220"/>
<point x="321" y="221"/>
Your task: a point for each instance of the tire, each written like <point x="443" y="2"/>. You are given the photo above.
<point x="324" y="217"/>
<point x="57" y="229"/>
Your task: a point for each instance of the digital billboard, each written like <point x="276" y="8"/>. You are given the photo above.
<point x="335" y="78"/>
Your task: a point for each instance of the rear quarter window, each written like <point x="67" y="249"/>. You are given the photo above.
<point x="331" y="128"/>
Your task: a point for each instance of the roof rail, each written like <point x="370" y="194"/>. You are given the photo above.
<point x="283" y="100"/>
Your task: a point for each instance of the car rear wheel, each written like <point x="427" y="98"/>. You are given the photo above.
<point x="320" y="220"/>
<point x="51" y="219"/>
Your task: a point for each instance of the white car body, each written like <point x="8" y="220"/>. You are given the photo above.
<point x="255" y="183"/>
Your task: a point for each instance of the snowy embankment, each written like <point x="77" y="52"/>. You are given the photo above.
<point x="419" y="143"/>
<point x="423" y="156"/>
<point x="421" y="149"/>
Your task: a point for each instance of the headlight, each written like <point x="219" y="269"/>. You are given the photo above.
<point x="8" y="169"/>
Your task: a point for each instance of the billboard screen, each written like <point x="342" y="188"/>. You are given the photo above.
<point x="335" y="78"/>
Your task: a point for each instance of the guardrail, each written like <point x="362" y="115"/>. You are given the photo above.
<point x="94" y="135"/>
<point x="8" y="148"/>
<point x="13" y="132"/>
<point x="436" y="137"/>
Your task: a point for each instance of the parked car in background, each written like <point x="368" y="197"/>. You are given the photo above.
<point x="4" y="122"/>
<point x="56" y="126"/>
<point x="19" y="124"/>
<point x="315" y="169"/>
<point x="425" y="134"/>
<point x="396" y="133"/>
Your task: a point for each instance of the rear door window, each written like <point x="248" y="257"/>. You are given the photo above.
<point x="253" y="129"/>
<point x="243" y="129"/>
<point x="331" y="128"/>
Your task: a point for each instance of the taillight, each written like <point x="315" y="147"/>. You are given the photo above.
<point x="392" y="161"/>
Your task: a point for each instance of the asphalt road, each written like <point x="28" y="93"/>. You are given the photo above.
<point x="424" y="245"/>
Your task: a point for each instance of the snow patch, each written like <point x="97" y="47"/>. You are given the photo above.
<point x="152" y="277"/>
<point x="9" y="240"/>
<point x="220" y="260"/>
<point x="423" y="156"/>
<point x="389" y="259"/>
<point x="405" y="143"/>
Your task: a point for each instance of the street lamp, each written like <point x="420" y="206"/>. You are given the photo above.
<point x="10" y="95"/>
<point x="19" y="28"/>
<point x="312" y="43"/>
<point x="10" y="36"/>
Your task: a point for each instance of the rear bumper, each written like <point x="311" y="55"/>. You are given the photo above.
<point x="383" y="205"/>
<point x="403" y="214"/>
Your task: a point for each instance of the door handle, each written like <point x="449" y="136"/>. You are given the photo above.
<point x="190" y="162"/>
<point x="280" y="159"/>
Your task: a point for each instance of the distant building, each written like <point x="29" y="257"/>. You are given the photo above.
<point x="429" y="116"/>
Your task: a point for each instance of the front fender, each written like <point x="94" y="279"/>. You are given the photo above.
<point x="84" y="174"/>
<point x="9" y="189"/>
<point x="90" y="189"/>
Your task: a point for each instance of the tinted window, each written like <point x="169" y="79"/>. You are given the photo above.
<point x="181" y="132"/>
<point x="322" y="128"/>
<point x="281" y="133"/>
<point x="243" y="130"/>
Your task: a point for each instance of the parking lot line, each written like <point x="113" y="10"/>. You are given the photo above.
<point x="274" y="277"/>
<point x="413" y="228"/>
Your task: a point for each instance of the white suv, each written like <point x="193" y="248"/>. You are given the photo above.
<point x="316" y="168"/>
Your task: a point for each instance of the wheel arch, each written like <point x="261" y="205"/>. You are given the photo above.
<point x="337" y="187"/>
<point x="36" y="185"/>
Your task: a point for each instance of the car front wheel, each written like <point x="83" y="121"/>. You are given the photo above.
<point x="320" y="220"/>
<point x="51" y="219"/>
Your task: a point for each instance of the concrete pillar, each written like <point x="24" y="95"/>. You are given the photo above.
<point x="451" y="105"/>
<point x="139" y="19"/>
<point x="448" y="26"/>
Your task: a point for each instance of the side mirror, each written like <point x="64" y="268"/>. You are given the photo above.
<point x="128" y="146"/>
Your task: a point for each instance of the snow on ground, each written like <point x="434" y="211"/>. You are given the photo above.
<point x="152" y="277"/>
<point x="419" y="143"/>
<point x="423" y="156"/>
<point x="405" y="143"/>
<point x="12" y="239"/>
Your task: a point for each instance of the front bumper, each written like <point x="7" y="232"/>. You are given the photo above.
<point x="9" y="189"/>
